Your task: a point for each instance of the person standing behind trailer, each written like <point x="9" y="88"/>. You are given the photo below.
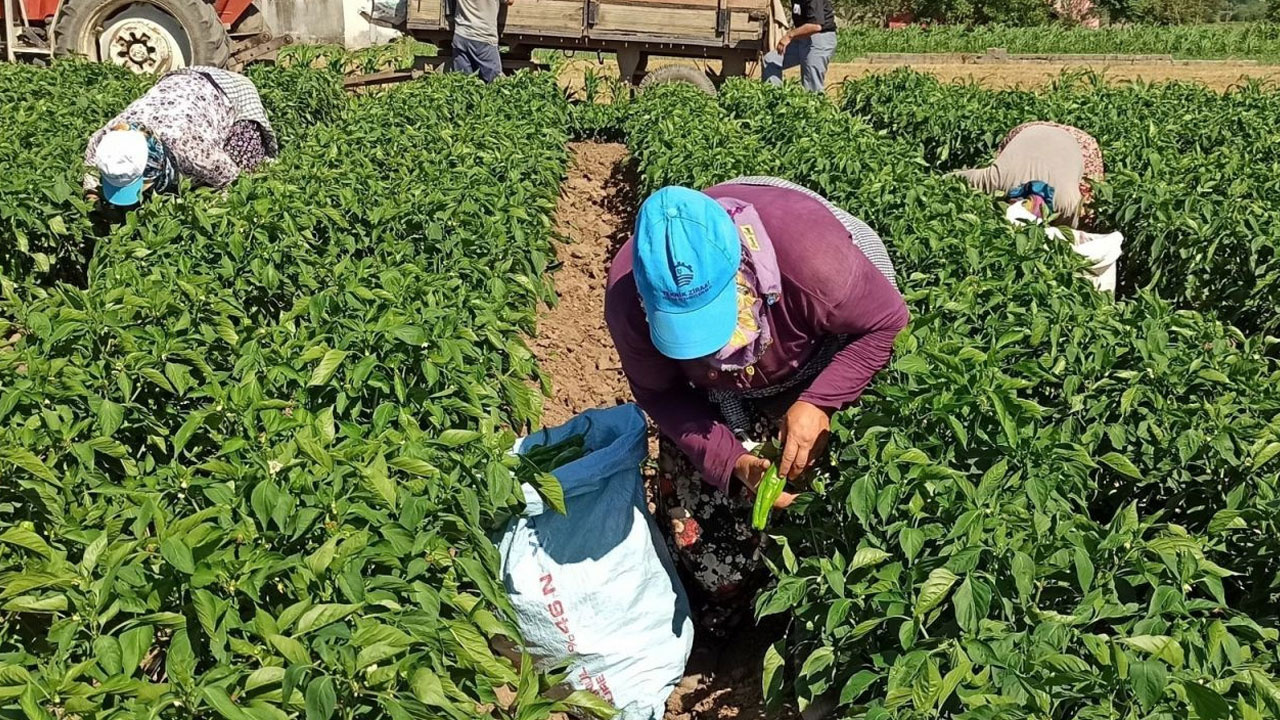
<point x="809" y="44"/>
<point x="475" y="38"/>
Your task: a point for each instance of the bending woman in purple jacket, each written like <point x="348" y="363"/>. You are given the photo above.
<point x="752" y="309"/>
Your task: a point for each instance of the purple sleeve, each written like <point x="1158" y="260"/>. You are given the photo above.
<point x="873" y="312"/>
<point x="681" y="412"/>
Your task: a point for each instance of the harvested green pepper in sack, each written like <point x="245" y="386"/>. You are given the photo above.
<point x="546" y="458"/>
<point x="770" y="489"/>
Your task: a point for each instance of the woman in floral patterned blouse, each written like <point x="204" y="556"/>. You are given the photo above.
<point x="206" y="124"/>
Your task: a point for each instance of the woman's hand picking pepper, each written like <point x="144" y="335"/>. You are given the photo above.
<point x="750" y="470"/>
<point x="804" y="432"/>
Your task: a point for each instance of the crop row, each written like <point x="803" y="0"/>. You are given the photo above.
<point x="1191" y="173"/>
<point x="1052" y="504"/>
<point x="250" y="461"/>
<point x="1217" y="41"/>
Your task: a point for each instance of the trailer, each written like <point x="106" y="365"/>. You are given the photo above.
<point x="156" y="36"/>
<point x="734" y="32"/>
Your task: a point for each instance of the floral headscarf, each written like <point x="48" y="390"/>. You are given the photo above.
<point x="759" y="285"/>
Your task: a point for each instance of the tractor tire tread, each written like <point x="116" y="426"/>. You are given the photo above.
<point x="210" y="44"/>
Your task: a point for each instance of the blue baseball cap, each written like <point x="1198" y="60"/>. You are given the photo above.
<point x="686" y="262"/>
<point x="122" y="162"/>
<point x="123" y="195"/>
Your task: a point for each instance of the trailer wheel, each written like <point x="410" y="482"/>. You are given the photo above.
<point x="154" y="36"/>
<point x="679" y="73"/>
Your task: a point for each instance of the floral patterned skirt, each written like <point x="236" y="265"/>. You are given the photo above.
<point x="709" y="533"/>
<point x="246" y="145"/>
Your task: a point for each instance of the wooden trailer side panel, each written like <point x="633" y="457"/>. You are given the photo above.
<point x="701" y="22"/>
<point x="554" y="18"/>
<point x="426" y="15"/>
<point x="603" y="24"/>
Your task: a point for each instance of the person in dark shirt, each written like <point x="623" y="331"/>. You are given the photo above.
<point x="809" y="44"/>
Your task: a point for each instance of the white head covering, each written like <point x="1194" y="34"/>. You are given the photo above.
<point x="122" y="156"/>
<point x="1018" y="214"/>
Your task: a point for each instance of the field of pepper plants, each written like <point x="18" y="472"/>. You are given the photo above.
<point x="1053" y="504"/>
<point x="253" y="442"/>
<point x="1217" y="41"/>
<point x="249" y="457"/>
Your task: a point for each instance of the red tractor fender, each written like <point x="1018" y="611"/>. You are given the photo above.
<point x="42" y="11"/>
<point x="230" y="11"/>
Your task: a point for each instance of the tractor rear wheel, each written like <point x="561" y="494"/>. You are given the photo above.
<point x="148" y="36"/>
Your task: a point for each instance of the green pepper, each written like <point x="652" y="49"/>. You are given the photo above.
<point x="546" y="458"/>
<point x="770" y="489"/>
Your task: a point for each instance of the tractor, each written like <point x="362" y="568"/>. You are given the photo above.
<point x="145" y="36"/>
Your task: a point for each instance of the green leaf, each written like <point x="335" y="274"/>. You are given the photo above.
<point x="1214" y="376"/>
<point x="318" y="616"/>
<point x="1160" y="646"/>
<point x="868" y="556"/>
<point x="857" y="685"/>
<point x="912" y="540"/>
<point x="583" y="701"/>
<point x="26" y="538"/>
<point x="1024" y="572"/>
<point x="264" y="677"/>
<point x="414" y="466"/>
<point x="33" y="703"/>
<point x="934" y="590"/>
<point x="866" y="626"/>
<point x="819" y="660"/>
<point x="411" y="334"/>
<point x="220" y="701"/>
<point x="327" y="367"/>
<point x="1001" y="405"/>
<point x="1084" y="570"/>
<point x="454" y="438"/>
<point x="292" y="677"/>
<point x="972" y="602"/>
<point x="110" y="417"/>
<point x="176" y="552"/>
<point x="134" y="644"/>
<point x="27" y="460"/>
<point x="194" y="422"/>
<point x="380" y="481"/>
<point x="106" y="650"/>
<point x="1121" y="464"/>
<point x="550" y="489"/>
<point x="1208" y="704"/>
<point x="1266" y="454"/>
<point x="1149" y="679"/>
<point x="378" y="652"/>
<point x="290" y="649"/>
<point x="862" y="498"/>
<point x="180" y="660"/>
<point x="321" y="700"/>
<point x="771" y="682"/>
<point x="428" y="689"/>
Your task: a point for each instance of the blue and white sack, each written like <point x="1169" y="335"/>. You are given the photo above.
<point x="595" y="589"/>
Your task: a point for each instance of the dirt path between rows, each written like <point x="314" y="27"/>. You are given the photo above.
<point x="594" y="217"/>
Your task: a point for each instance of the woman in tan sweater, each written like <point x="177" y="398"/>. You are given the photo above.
<point x="1064" y="158"/>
